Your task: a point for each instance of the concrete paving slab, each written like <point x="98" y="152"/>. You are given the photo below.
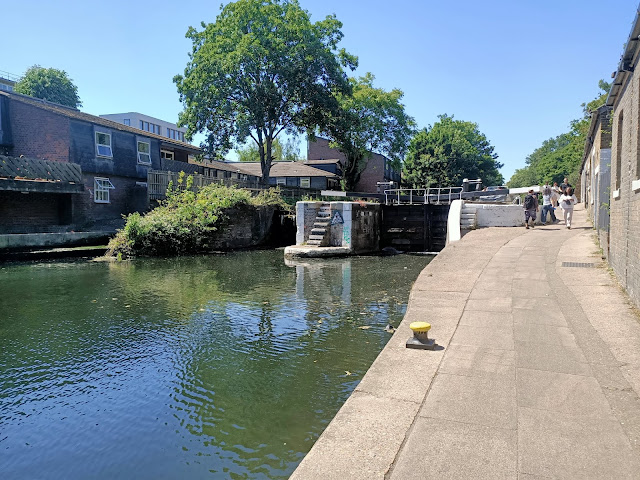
<point x="504" y="294"/>
<point x="361" y="442"/>
<point x="486" y="319"/>
<point x="557" y="445"/>
<point x="499" y="304"/>
<point x="532" y="303"/>
<point x="576" y="395"/>
<point x="537" y="317"/>
<point x="546" y="334"/>
<point x="500" y="337"/>
<point x="469" y="360"/>
<point x="552" y="358"/>
<point x="472" y="399"/>
<point x="442" y="449"/>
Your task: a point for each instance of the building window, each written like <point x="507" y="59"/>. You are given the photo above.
<point x="281" y="181"/>
<point x="103" y="144"/>
<point x="127" y="122"/>
<point x="101" y="187"/>
<point x="167" y="155"/>
<point x="175" y="134"/>
<point x="149" y="127"/>
<point x="144" y="153"/>
<point x="305" y="182"/>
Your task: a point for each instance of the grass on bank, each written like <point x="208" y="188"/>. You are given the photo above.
<point x="186" y="222"/>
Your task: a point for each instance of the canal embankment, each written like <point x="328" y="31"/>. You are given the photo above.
<point x="537" y="374"/>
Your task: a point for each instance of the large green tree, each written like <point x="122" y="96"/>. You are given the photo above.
<point x="369" y="120"/>
<point x="560" y="156"/>
<point x="49" y="84"/>
<point x="262" y="68"/>
<point x="449" y="151"/>
<point x="287" y="151"/>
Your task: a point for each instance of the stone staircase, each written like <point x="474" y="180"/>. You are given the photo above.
<point x="468" y="218"/>
<point x="320" y="232"/>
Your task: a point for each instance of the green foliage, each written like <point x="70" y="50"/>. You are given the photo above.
<point x="368" y="120"/>
<point x="449" y="151"/>
<point x="186" y="221"/>
<point x="287" y="152"/>
<point x="49" y="84"/>
<point x="560" y="156"/>
<point x="260" y="69"/>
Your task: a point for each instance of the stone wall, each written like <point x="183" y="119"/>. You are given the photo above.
<point x="247" y="227"/>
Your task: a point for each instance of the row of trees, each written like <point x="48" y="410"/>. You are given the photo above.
<point x="263" y="69"/>
<point x="560" y="156"/>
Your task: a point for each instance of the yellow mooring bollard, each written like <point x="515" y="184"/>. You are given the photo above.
<point x="420" y="337"/>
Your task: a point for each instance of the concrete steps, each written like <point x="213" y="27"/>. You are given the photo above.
<point x="468" y="218"/>
<point x="320" y="232"/>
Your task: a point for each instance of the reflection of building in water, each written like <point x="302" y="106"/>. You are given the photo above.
<point x="325" y="281"/>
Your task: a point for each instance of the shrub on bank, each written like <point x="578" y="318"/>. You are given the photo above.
<point x="186" y="222"/>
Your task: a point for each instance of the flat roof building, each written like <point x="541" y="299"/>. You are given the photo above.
<point x="148" y="124"/>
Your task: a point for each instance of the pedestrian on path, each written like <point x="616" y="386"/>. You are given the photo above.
<point x="547" y="204"/>
<point x="567" y="201"/>
<point x="564" y="185"/>
<point x="530" y="208"/>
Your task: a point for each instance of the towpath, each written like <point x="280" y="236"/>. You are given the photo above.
<point x="538" y="375"/>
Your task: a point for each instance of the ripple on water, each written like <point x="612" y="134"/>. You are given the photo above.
<point x="212" y="367"/>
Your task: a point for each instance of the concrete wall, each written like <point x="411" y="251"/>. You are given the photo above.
<point x="353" y="225"/>
<point x="492" y="215"/>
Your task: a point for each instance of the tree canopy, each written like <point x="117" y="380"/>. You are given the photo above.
<point x="260" y="69"/>
<point x="560" y="156"/>
<point x="49" y="84"/>
<point x="289" y="151"/>
<point x="368" y="120"/>
<point x="449" y="151"/>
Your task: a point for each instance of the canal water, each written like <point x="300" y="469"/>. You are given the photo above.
<point x="210" y="367"/>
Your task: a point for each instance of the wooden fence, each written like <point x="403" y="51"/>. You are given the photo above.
<point x="35" y="169"/>
<point x="158" y="182"/>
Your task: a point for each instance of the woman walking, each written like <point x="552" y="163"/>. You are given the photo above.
<point x="567" y="201"/>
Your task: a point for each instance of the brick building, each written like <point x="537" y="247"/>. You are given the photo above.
<point x="624" y="230"/>
<point x="595" y="173"/>
<point x="112" y="160"/>
<point x="378" y="169"/>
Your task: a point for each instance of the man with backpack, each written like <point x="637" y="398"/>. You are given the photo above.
<point x="530" y="208"/>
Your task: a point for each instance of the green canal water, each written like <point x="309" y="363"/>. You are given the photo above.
<point x="203" y="367"/>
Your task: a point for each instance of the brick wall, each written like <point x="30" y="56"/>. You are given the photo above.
<point x="624" y="238"/>
<point x="125" y="198"/>
<point x="34" y="212"/>
<point x="38" y="133"/>
<point x="374" y="171"/>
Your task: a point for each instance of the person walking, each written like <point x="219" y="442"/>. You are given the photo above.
<point x="564" y="185"/>
<point x="567" y="201"/>
<point x="530" y="208"/>
<point x="547" y="204"/>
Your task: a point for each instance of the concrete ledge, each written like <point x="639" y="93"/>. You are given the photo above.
<point x="43" y="240"/>
<point x="304" y="251"/>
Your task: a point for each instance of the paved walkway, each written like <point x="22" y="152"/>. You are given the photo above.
<point x="538" y="377"/>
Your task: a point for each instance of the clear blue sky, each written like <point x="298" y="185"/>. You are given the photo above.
<point x="518" y="68"/>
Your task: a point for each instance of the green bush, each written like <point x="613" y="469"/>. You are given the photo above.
<point x="185" y="222"/>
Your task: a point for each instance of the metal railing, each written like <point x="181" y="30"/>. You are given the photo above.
<point x="422" y="196"/>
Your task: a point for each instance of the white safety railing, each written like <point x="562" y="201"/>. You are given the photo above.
<point x="414" y="196"/>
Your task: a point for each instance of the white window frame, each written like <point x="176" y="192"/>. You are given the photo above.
<point x="168" y="154"/>
<point x="281" y="181"/>
<point x="305" y="180"/>
<point x="110" y="154"/>
<point x="127" y="122"/>
<point x="101" y="187"/>
<point x="148" y="154"/>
